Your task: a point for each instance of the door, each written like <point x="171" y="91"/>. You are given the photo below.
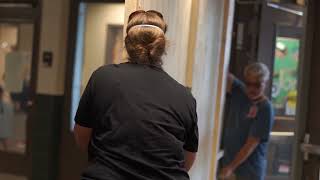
<point x="281" y="47"/>
<point x="18" y="62"/>
<point x="310" y="138"/>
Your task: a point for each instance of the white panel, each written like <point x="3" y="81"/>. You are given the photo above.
<point x="53" y="38"/>
<point x="212" y="51"/>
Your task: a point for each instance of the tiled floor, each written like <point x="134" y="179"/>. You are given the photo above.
<point x="11" y="177"/>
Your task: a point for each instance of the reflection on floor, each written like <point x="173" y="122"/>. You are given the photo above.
<point x="11" y="177"/>
<point x="17" y="142"/>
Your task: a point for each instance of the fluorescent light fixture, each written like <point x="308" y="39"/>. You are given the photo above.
<point x="282" y="8"/>
<point x="282" y="133"/>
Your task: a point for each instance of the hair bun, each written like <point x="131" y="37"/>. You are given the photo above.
<point x="146" y="44"/>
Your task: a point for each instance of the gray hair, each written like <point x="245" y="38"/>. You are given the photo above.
<point x="259" y="70"/>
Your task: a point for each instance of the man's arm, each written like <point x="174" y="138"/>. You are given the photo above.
<point x="190" y="157"/>
<point x="242" y="156"/>
<point x="230" y="79"/>
<point x="82" y="136"/>
<point x="245" y="152"/>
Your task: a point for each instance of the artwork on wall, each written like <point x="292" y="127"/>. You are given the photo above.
<point x="285" y="75"/>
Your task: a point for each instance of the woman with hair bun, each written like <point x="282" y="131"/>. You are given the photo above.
<point x="134" y="120"/>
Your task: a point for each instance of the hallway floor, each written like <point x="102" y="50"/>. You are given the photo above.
<point x="11" y="177"/>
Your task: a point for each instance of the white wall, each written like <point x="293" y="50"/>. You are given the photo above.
<point x="205" y="77"/>
<point x="213" y="44"/>
<point x="177" y="15"/>
<point x="98" y="17"/>
<point x="53" y="36"/>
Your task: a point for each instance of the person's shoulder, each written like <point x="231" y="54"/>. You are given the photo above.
<point x="237" y="83"/>
<point x="237" y="89"/>
<point x="109" y="68"/>
<point x="266" y="104"/>
<point x="180" y="89"/>
<point x="104" y="73"/>
<point x="187" y="93"/>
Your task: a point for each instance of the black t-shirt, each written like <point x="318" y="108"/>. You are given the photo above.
<point x="142" y="121"/>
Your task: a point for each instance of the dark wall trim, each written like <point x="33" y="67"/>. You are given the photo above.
<point x="34" y="80"/>
<point x="34" y="3"/>
<point x="27" y="14"/>
<point x="46" y="137"/>
<point x="313" y="124"/>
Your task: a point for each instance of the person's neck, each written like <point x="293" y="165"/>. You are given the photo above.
<point x="258" y="99"/>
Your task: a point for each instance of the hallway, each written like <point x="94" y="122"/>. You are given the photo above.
<point x="55" y="46"/>
<point x="11" y="177"/>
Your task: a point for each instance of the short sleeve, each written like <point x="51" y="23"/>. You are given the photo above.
<point x="85" y="116"/>
<point x="237" y="86"/>
<point x="263" y="123"/>
<point x="192" y="137"/>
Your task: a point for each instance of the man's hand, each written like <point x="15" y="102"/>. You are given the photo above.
<point x="226" y="172"/>
<point x="242" y="156"/>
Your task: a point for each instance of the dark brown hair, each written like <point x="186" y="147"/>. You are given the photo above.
<point x="146" y="45"/>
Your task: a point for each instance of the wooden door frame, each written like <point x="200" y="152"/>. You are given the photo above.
<point x="20" y="164"/>
<point x="72" y="35"/>
<point x="304" y="86"/>
<point x="303" y="89"/>
<point x="67" y="146"/>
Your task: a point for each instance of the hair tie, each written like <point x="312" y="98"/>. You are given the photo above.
<point x="147" y="25"/>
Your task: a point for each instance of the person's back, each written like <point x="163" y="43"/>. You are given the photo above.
<point x="142" y="123"/>
<point x="142" y="117"/>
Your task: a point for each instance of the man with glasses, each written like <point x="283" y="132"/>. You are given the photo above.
<point x="248" y="122"/>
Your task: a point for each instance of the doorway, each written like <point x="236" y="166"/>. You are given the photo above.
<point x="19" y="42"/>
<point x="274" y="34"/>
<point x="95" y="39"/>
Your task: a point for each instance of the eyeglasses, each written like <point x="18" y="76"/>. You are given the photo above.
<point x="142" y="11"/>
<point x="257" y="85"/>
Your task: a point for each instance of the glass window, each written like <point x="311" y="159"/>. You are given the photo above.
<point x="16" y="42"/>
<point x="284" y="100"/>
